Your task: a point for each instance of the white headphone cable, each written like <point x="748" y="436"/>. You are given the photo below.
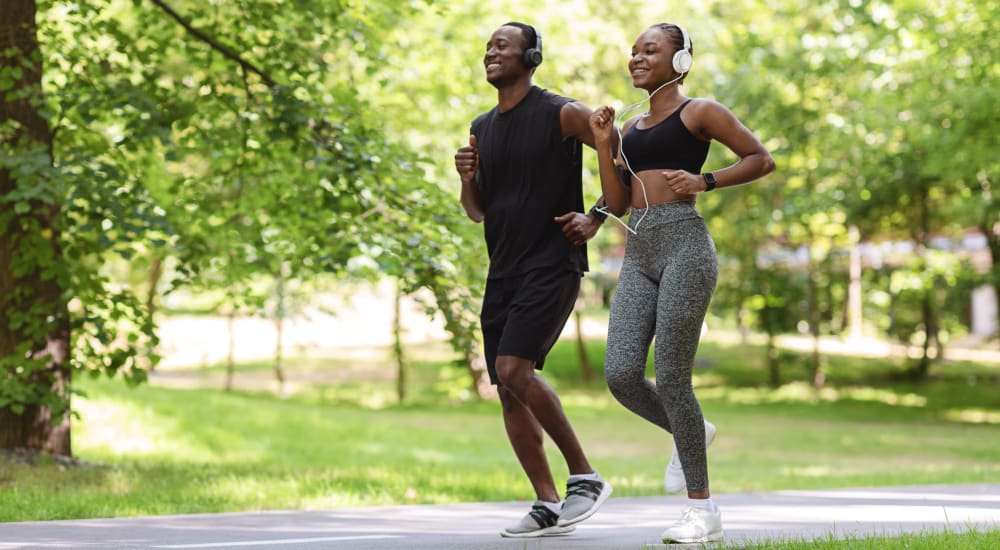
<point x="621" y="151"/>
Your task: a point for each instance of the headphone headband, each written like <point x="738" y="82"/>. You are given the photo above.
<point x="685" y="37"/>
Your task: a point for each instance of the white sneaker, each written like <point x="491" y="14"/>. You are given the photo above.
<point x="695" y="525"/>
<point x="673" y="478"/>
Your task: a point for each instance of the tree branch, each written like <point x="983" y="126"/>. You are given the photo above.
<point x="215" y="45"/>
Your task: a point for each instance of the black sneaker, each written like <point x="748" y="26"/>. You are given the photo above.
<point x="540" y="522"/>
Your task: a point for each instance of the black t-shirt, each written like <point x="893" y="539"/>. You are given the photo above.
<point x="527" y="176"/>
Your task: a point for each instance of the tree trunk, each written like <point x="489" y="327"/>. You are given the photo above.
<point x="475" y="360"/>
<point x="816" y="365"/>
<point x="773" y="362"/>
<point x="458" y="323"/>
<point x="989" y="225"/>
<point x="36" y="291"/>
<point x="586" y="372"/>
<point x="155" y="274"/>
<point x="231" y="354"/>
<point x="747" y="270"/>
<point x="923" y="366"/>
<point x="995" y="272"/>
<point x="855" y="310"/>
<point x="771" y="349"/>
<point x="928" y="313"/>
<point x="279" y="329"/>
<point x="397" y="344"/>
<point x="992" y="233"/>
<point x="279" y="353"/>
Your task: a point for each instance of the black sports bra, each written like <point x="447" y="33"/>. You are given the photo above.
<point x="667" y="145"/>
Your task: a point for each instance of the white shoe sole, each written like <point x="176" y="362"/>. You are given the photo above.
<point x="605" y="493"/>
<point x="714" y="537"/>
<point x="553" y="531"/>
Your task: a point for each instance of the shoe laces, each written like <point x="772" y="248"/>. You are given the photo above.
<point x="584" y="488"/>
<point x="542" y="515"/>
<point x="691" y="515"/>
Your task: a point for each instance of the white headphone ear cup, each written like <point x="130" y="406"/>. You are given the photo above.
<point x="682" y="61"/>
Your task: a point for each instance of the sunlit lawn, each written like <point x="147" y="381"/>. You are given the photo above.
<point x="160" y="450"/>
<point x="957" y="539"/>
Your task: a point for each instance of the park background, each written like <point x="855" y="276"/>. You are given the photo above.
<point x="234" y="273"/>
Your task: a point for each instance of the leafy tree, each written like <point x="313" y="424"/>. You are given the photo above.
<point x="67" y="200"/>
<point x="35" y="333"/>
<point x="216" y="146"/>
<point x="916" y="173"/>
<point x="970" y="33"/>
<point x="178" y="134"/>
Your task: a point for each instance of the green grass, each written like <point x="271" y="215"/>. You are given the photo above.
<point x="343" y="441"/>
<point x="964" y="540"/>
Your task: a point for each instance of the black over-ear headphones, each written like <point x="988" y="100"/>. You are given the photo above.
<point x="533" y="56"/>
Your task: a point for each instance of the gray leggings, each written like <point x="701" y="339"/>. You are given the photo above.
<point x="665" y="286"/>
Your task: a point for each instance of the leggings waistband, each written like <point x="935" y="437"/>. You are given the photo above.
<point x="664" y="212"/>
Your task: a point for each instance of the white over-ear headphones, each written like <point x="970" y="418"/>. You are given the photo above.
<point x="683" y="58"/>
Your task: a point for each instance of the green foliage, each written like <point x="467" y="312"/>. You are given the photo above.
<point x="963" y="538"/>
<point x="26" y="382"/>
<point x="900" y="293"/>
<point x="229" y="138"/>
<point x="241" y="143"/>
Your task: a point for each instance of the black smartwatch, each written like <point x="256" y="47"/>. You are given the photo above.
<point x="709" y="181"/>
<point x="598" y="214"/>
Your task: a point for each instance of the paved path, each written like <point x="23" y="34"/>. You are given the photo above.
<point x="623" y="523"/>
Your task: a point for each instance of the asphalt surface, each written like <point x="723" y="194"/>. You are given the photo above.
<point x="622" y="523"/>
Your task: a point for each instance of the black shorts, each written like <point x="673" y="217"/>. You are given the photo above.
<point x="524" y="315"/>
